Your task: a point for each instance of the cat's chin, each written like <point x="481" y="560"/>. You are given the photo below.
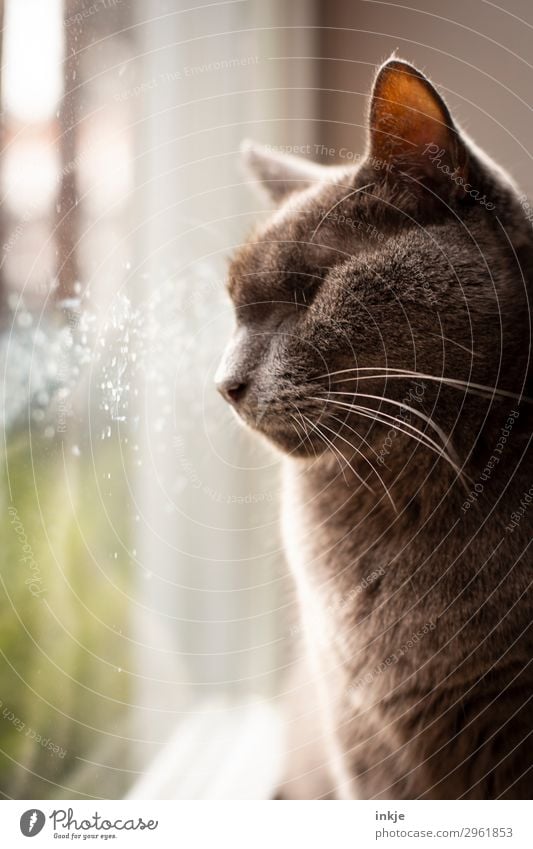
<point x="279" y="434"/>
<point x="290" y="447"/>
<point x="287" y="441"/>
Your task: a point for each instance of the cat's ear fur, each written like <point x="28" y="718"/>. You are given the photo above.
<point x="410" y="126"/>
<point x="410" y="130"/>
<point x="280" y="174"/>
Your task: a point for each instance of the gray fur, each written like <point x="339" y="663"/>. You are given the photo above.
<point x="426" y="668"/>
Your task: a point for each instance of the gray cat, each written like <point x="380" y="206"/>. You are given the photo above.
<point x="383" y="345"/>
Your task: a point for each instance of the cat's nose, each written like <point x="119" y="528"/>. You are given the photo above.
<point x="232" y="390"/>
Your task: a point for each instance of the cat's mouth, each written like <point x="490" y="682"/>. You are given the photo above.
<point x="292" y="428"/>
<point x="296" y="417"/>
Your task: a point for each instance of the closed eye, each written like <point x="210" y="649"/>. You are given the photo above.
<point x="303" y="286"/>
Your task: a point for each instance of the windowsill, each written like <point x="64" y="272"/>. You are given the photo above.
<point x="224" y="751"/>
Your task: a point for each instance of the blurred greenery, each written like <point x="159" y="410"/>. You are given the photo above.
<point x="64" y="648"/>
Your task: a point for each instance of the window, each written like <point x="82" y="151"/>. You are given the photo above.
<point x="144" y="604"/>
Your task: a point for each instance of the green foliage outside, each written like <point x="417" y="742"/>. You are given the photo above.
<point x="65" y="573"/>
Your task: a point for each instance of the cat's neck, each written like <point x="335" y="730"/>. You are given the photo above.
<point x="409" y="481"/>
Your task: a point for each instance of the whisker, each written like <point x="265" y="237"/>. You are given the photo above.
<point x="357" y="451"/>
<point x="385" y="487"/>
<point x="386" y="419"/>
<point x="306" y="435"/>
<point x="395" y="373"/>
<point x="429" y="421"/>
<point x="340" y="455"/>
<point x="320" y="436"/>
<point x="295" y="429"/>
<point x="458" y="344"/>
<point x="327" y="442"/>
<point x="359" y="436"/>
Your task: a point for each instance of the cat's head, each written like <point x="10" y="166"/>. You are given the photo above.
<point x="410" y="263"/>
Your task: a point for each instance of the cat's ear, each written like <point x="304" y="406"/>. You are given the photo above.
<point x="410" y="125"/>
<point x="280" y="174"/>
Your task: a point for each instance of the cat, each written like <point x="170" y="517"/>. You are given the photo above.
<point x="382" y="345"/>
